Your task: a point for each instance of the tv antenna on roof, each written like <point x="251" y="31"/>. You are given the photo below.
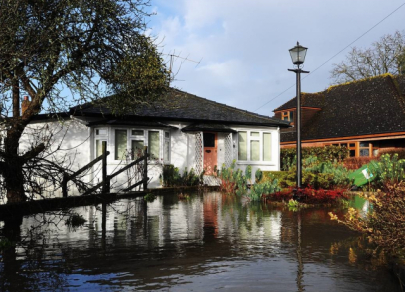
<point x="183" y="60"/>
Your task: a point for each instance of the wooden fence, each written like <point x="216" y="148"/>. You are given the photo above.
<point x="106" y="179"/>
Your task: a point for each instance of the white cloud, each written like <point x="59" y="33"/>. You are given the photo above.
<point x="244" y="44"/>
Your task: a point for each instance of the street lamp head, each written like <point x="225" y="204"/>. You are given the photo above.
<point x="298" y="54"/>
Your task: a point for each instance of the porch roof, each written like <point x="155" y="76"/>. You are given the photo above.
<point x="199" y="127"/>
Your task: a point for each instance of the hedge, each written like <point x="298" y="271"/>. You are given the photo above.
<point x="326" y="153"/>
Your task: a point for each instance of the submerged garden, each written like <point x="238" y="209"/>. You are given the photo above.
<point x="248" y="235"/>
<point x="330" y="177"/>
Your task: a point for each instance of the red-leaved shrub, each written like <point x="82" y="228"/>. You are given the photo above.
<point x="310" y="195"/>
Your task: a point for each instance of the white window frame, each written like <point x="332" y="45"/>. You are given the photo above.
<point x="259" y="138"/>
<point x="136" y="138"/>
<point x="144" y="138"/>
<point x="100" y="137"/>
<point x="168" y="140"/>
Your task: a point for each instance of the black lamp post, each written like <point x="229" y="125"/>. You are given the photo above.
<point x="298" y="57"/>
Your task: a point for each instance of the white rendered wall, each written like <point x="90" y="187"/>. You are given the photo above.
<point x="67" y="144"/>
<point x="274" y="164"/>
<point x="77" y="142"/>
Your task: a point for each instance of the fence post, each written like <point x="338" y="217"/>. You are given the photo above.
<point x="145" y="168"/>
<point x="64" y="185"/>
<point x="106" y="181"/>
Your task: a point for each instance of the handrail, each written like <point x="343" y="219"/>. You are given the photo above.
<point x="105" y="183"/>
<point x="128" y="166"/>
<point x="88" y="165"/>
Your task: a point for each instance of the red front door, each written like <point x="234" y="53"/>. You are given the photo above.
<point x="210" y="152"/>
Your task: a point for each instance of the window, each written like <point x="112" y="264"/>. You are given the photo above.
<point x="137" y="143"/>
<point x="101" y="132"/>
<point x="364" y="149"/>
<point x="266" y="146"/>
<point x="99" y="147"/>
<point x="287" y="116"/>
<point x="137" y="147"/>
<point x="254" y="146"/>
<point x="130" y="143"/>
<point x="101" y="135"/>
<point x="137" y="132"/>
<point x="120" y="144"/>
<point x="166" y="147"/>
<point x="154" y="144"/>
<point x="209" y="139"/>
<point x="242" y="146"/>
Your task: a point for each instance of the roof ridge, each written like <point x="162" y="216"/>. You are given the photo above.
<point x="385" y="75"/>
<point x="225" y="105"/>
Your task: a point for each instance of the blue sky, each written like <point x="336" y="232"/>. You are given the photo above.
<point x="243" y="44"/>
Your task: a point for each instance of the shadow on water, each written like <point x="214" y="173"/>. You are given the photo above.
<point x="202" y="243"/>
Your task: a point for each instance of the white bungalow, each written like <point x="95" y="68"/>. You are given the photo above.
<point x="181" y="129"/>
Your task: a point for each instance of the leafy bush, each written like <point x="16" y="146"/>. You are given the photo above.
<point x="388" y="171"/>
<point x="258" y="175"/>
<point x="385" y="225"/>
<point x="392" y="151"/>
<point x="233" y="181"/>
<point x="149" y="197"/>
<point x="259" y="190"/>
<point x="75" y="220"/>
<point x="326" y="174"/>
<point x="315" y="173"/>
<point x="171" y="177"/>
<point x="328" y="153"/>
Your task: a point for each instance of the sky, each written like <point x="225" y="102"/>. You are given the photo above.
<point x="235" y="52"/>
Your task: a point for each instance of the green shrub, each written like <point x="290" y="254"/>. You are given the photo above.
<point x="315" y="173"/>
<point x="259" y="190"/>
<point x="75" y="220"/>
<point x="328" y="153"/>
<point x="233" y="181"/>
<point x="399" y="151"/>
<point x="171" y="177"/>
<point x="258" y="175"/>
<point x="149" y="197"/>
<point x="388" y="170"/>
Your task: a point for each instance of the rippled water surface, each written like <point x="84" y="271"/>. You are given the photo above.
<point x="209" y="242"/>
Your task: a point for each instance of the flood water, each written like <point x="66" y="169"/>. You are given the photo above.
<point x="209" y="242"/>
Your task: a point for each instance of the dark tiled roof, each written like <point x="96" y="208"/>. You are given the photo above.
<point x="127" y="122"/>
<point x="208" y="127"/>
<point x="179" y="105"/>
<point x="307" y="100"/>
<point x="370" y="106"/>
<point x="400" y="82"/>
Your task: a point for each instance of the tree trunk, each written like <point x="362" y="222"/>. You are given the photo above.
<point x="13" y="172"/>
<point x="14" y="180"/>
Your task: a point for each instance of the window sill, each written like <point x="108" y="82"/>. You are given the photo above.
<point x="255" y="162"/>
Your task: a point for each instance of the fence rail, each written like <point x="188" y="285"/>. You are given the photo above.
<point x="106" y="179"/>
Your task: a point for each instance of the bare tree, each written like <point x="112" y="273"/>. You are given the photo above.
<point x="385" y="56"/>
<point x="92" y="48"/>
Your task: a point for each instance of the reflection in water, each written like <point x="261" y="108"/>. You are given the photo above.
<point x="300" y="269"/>
<point x="208" y="242"/>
